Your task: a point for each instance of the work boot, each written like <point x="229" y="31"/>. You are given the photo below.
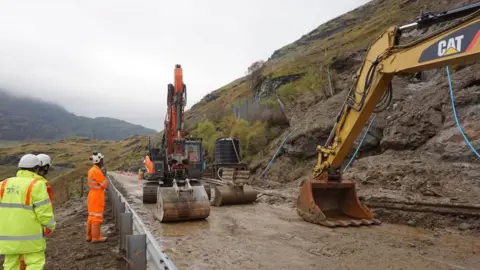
<point x="89" y="232"/>
<point x="96" y="235"/>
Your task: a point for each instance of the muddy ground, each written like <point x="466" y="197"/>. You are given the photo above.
<point x="273" y="236"/>
<point x="67" y="248"/>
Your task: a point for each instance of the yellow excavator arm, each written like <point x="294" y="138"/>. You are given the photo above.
<point x="330" y="200"/>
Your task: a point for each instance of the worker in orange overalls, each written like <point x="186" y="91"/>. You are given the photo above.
<point x="97" y="182"/>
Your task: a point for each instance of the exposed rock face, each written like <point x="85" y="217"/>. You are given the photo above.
<point x="269" y="86"/>
<point x="349" y="62"/>
<point x="211" y="97"/>
<point x="413" y="131"/>
<point x="304" y="145"/>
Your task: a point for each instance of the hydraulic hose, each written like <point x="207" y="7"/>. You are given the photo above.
<point x="276" y="153"/>
<point x="455" y="114"/>
<point x="360" y="144"/>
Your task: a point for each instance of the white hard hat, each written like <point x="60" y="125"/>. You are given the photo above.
<point x="44" y="159"/>
<point x="29" y="161"/>
<point x="96" y="157"/>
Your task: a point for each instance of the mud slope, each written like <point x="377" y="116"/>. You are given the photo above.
<point x="67" y="248"/>
<point x="263" y="236"/>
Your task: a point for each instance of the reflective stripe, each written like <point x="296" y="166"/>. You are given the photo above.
<point x="20" y="238"/>
<point x="95" y="214"/>
<point x="50" y="223"/>
<point x="47" y="201"/>
<point x="103" y="182"/>
<point x="94" y="185"/>
<point x="2" y="188"/>
<point x="15" y="205"/>
<point x="29" y="191"/>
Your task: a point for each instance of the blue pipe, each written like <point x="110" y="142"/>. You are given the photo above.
<point x="360" y="144"/>
<point x="276" y="153"/>
<point x="455" y="114"/>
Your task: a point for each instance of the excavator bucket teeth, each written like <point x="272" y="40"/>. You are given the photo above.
<point x="229" y="195"/>
<point x="332" y="204"/>
<point x="183" y="205"/>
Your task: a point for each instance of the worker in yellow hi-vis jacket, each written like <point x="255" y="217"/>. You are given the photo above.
<point x="25" y="211"/>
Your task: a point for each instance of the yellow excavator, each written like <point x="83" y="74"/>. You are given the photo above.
<point x="330" y="200"/>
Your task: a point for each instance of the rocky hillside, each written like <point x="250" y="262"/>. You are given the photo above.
<point x="414" y="150"/>
<point x="27" y="119"/>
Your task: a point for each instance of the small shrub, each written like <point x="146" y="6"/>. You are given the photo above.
<point x="208" y="132"/>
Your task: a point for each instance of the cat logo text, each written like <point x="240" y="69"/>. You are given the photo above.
<point x="463" y="40"/>
<point x="450" y="46"/>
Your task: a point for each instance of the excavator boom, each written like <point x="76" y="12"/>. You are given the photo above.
<point x="177" y="98"/>
<point x="330" y="200"/>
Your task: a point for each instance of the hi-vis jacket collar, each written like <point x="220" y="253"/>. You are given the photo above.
<point x="25" y="173"/>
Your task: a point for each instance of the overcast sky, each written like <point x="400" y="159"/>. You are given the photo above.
<point x="115" y="58"/>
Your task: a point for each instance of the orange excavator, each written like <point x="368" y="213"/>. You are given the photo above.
<point x="173" y="169"/>
<point x="330" y="200"/>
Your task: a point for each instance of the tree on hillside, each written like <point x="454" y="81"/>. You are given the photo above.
<point x="254" y="73"/>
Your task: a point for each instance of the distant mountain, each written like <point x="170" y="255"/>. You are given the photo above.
<point x="29" y="119"/>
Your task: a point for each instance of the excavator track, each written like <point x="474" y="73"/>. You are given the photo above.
<point x="229" y="195"/>
<point x="150" y="193"/>
<point x="232" y="189"/>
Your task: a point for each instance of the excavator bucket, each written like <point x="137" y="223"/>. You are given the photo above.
<point x="228" y="195"/>
<point x="236" y="192"/>
<point x="182" y="203"/>
<point x="332" y="204"/>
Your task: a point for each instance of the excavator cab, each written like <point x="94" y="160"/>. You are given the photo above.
<point x="193" y="152"/>
<point x="154" y="161"/>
